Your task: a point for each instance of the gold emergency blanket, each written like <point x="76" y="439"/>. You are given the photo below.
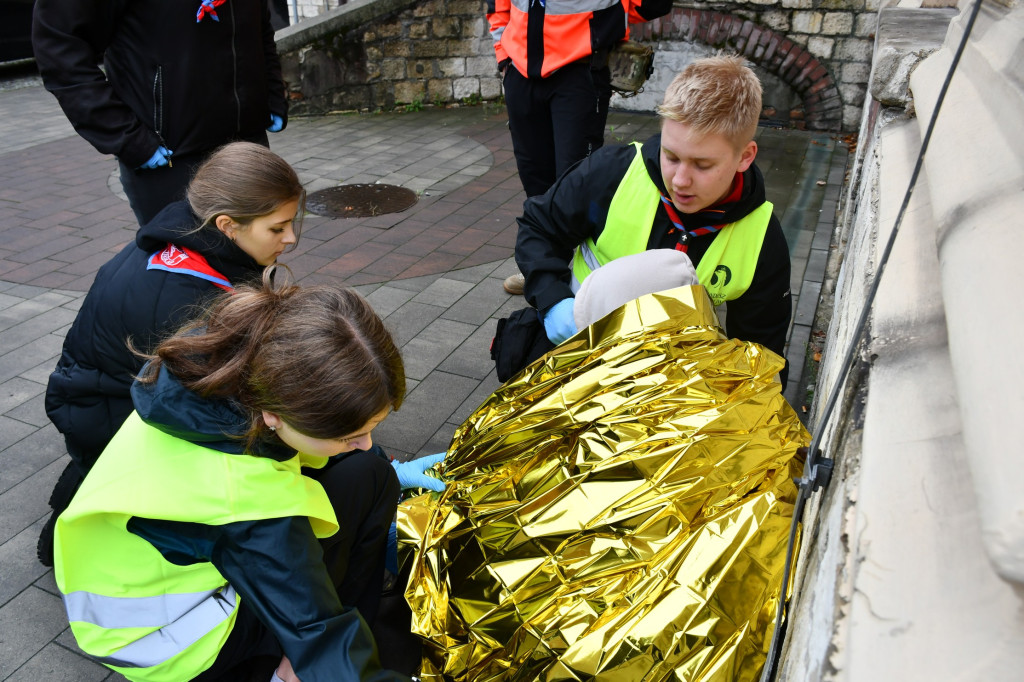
<point x="618" y="511"/>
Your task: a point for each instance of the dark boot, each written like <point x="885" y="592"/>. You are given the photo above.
<point x="60" y="498"/>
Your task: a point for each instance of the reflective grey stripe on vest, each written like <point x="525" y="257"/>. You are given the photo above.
<point x="590" y="259"/>
<point x="567" y="6"/>
<point x="182" y="618"/>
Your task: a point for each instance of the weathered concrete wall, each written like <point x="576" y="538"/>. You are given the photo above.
<point x="911" y="562"/>
<point x="813" y="55"/>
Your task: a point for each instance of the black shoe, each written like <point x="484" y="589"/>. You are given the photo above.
<point x="67" y="485"/>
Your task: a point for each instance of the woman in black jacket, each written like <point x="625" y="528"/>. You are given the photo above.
<point x="242" y="211"/>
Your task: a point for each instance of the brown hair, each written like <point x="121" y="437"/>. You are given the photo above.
<point x="244" y="180"/>
<point x="319" y="357"/>
<point x="718" y="95"/>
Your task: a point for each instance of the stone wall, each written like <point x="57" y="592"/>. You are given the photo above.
<point x="439" y="51"/>
<point x="412" y="54"/>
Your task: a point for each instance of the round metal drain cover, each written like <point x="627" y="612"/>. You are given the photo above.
<point x="359" y="201"/>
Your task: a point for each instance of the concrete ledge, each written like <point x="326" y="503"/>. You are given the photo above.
<point x="905" y="37"/>
<point x="347" y="16"/>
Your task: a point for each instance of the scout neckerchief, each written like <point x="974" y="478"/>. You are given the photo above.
<point x="185" y="261"/>
<point x="685" y="235"/>
<point x="206" y="7"/>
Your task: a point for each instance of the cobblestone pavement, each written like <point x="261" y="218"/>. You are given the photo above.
<point x="434" y="273"/>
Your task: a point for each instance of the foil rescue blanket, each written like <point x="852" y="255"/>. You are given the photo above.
<point x="617" y="511"/>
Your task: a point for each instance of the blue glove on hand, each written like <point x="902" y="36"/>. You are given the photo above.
<point x="276" y="124"/>
<point x="410" y="474"/>
<point x="161" y="157"/>
<point x="559" y="323"/>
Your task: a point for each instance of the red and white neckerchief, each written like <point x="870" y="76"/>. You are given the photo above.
<point x="207" y="7"/>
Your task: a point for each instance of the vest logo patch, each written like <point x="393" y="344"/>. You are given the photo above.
<point x="721" y="277"/>
<point x="172" y="256"/>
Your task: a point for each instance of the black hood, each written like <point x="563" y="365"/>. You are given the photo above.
<point x="214" y="423"/>
<point x="728" y="212"/>
<point x="177" y="224"/>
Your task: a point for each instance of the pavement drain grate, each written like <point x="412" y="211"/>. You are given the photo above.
<point x="359" y="201"/>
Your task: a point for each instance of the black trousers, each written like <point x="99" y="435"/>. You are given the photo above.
<point x="363" y="489"/>
<point x="150" y="189"/>
<point x="555" y="121"/>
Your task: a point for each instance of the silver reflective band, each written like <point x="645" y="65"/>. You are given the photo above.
<point x="590" y="259"/>
<point x="185" y="618"/>
<point x="568" y="6"/>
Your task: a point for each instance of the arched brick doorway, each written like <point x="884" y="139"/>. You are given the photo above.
<point x="774" y="52"/>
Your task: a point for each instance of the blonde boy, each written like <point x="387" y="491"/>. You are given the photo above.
<point x="694" y="188"/>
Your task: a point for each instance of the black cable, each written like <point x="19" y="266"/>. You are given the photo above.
<point x="810" y="481"/>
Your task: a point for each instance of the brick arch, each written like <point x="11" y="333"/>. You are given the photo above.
<point x="772" y="51"/>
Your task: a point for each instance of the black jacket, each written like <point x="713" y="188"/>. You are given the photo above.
<point x="276" y="565"/>
<point x="87" y="396"/>
<point x="576" y="207"/>
<point x="169" y="80"/>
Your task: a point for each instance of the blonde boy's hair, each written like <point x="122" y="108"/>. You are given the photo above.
<point x="717" y="94"/>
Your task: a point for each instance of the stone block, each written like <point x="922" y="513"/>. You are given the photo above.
<point x="854" y="49"/>
<point x="490" y="88"/>
<point x="481" y="66"/>
<point x="397" y="48"/>
<point x="418" y="31"/>
<point x="798" y="4"/>
<point x="466" y="87"/>
<point x="856" y="73"/>
<point x="393" y="69"/>
<point x="439" y="90"/>
<point x="421" y="68"/>
<point x="407" y="92"/>
<point x="865" y="24"/>
<point x="821" y="47"/>
<point x="445" y="27"/>
<point x="776" y="20"/>
<point x="452" y="67"/>
<point x="837" y="23"/>
<point x="807" y="22"/>
<point x="905" y="37"/>
<point x="430" y="48"/>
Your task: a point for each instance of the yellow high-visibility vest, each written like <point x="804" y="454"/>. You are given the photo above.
<point x="726" y="269"/>
<point x="128" y="606"/>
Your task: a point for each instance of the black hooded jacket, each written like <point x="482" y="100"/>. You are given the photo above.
<point x="575" y="208"/>
<point x="87" y="396"/>
<point x="168" y="80"/>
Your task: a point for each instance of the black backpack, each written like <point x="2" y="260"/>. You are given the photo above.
<point x="518" y="340"/>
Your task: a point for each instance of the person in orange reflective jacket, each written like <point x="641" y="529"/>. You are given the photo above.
<point x="553" y="57"/>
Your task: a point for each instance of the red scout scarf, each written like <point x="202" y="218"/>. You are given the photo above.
<point x="684" y="235"/>
<point x="206" y="7"/>
<point x="185" y="261"/>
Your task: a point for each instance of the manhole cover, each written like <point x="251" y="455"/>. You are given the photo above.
<point x="359" y="201"/>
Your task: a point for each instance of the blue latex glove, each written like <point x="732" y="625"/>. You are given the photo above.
<point x="161" y="157"/>
<point x="276" y="124"/>
<point x="410" y="474"/>
<point x="559" y="323"/>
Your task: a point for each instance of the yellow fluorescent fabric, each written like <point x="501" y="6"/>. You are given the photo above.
<point x="617" y="511"/>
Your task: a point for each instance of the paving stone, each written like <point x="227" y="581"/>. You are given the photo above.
<point x="808" y="303"/>
<point x="56" y="664"/>
<point x="27" y="623"/>
<point x="31" y="412"/>
<point x="35" y="326"/>
<point x="482" y="392"/>
<point x="16" y="391"/>
<point x="21" y="567"/>
<point x="406" y="322"/>
<point x="473" y="357"/>
<point x="433" y="345"/>
<point x="26" y="456"/>
<point x="25" y="503"/>
<point x="479" y="303"/>
<point x="386" y="299"/>
<point x="443" y="292"/>
<point x="425" y="409"/>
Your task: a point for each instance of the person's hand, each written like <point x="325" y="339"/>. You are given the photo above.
<point x="161" y="157"/>
<point x="276" y="124"/>
<point x="559" y="323"/>
<point x="410" y="474"/>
